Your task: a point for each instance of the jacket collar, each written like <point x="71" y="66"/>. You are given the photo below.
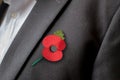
<point x="38" y="22"/>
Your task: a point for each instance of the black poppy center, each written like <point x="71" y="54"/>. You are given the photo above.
<point x="53" y="48"/>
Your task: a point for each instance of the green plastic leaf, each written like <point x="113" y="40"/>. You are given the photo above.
<point x="60" y="34"/>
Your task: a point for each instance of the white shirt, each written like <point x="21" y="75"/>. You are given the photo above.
<point x="15" y="16"/>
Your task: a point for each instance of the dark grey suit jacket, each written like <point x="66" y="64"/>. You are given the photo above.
<point x="92" y="32"/>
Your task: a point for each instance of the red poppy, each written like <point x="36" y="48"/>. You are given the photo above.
<point x="53" y="46"/>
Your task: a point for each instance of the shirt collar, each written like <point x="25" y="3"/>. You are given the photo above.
<point x="7" y="1"/>
<point x="15" y="4"/>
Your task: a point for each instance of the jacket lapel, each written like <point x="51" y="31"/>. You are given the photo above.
<point x="39" y="20"/>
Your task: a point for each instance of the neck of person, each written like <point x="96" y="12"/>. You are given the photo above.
<point x="1" y="2"/>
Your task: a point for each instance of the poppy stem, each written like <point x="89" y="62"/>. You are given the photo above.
<point x="37" y="61"/>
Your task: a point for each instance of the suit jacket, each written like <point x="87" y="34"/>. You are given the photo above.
<point x="92" y="34"/>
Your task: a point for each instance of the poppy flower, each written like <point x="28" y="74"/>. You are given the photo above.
<point x="53" y="47"/>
